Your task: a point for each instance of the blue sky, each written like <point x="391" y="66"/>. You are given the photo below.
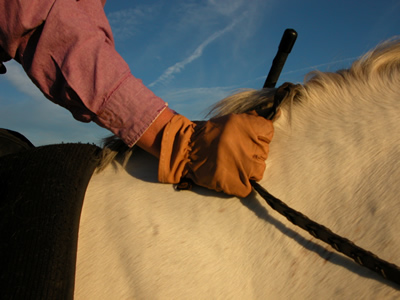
<point x="194" y="53"/>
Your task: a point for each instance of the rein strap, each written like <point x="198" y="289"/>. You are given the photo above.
<point x="365" y="258"/>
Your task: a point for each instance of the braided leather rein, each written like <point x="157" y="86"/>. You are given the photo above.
<point x="365" y="258"/>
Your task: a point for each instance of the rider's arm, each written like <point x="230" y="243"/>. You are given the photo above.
<point x="67" y="49"/>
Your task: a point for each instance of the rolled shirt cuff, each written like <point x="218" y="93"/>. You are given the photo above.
<point x="130" y="110"/>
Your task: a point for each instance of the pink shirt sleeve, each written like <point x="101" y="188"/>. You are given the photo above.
<point x="67" y="49"/>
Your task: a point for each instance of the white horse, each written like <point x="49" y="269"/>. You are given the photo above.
<point x="335" y="157"/>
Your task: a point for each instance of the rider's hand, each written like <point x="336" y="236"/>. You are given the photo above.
<point x="222" y="154"/>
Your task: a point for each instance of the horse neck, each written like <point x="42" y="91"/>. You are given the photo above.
<point x="339" y="145"/>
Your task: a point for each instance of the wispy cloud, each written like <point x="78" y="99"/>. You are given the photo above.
<point x="316" y="67"/>
<point x="18" y="78"/>
<point x="40" y="120"/>
<point x="126" y="23"/>
<point x="309" y="69"/>
<point x="226" y="7"/>
<point x="179" y="66"/>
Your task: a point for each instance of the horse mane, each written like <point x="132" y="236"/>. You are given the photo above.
<point x="377" y="68"/>
<point x="114" y="149"/>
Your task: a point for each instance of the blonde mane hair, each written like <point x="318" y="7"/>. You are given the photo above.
<point x="379" y="67"/>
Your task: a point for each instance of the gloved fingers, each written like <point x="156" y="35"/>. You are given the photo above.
<point x="264" y="129"/>
<point x="260" y="129"/>
<point x="241" y="191"/>
<point x="259" y="148"/>
<point x="257" y="169"/>
<point x="265" y="138"/>
<point x="235" y="184"/>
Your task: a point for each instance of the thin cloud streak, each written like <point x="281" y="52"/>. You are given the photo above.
<point x="312" y="68"/>
<point x="179" y="66"/>
<point x="18" y="78"/>
<point x="321" y="65"/>
<point x="127" y="23"/>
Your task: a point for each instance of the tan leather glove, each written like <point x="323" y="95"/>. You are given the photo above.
<point x="222" y="154"/>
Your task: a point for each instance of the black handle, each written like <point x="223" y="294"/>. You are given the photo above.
<point x="285" y="47"/>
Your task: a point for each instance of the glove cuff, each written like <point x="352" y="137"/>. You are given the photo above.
<point x="175" y="149"/>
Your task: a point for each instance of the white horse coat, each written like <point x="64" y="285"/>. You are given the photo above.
<point x="335" y="157"/>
